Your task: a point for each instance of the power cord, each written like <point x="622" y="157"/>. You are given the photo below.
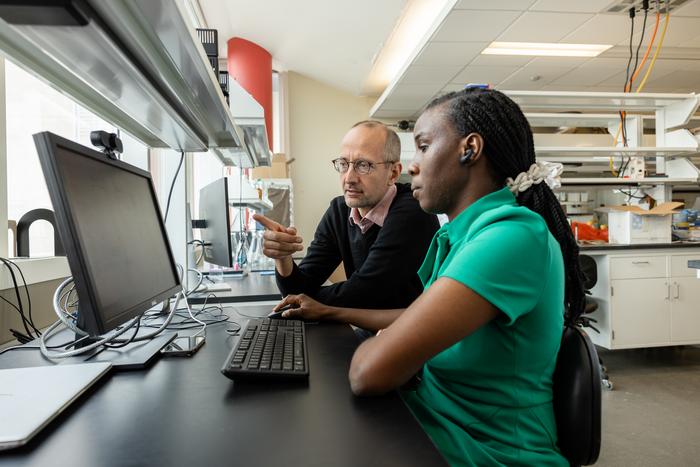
<point x="61" y="299"/>
<point x="65" y="345"/>
<point x="27" y="320"/>
<point x="172" y="186"/>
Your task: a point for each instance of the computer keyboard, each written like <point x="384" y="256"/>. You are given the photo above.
<point x="269" y="348"/>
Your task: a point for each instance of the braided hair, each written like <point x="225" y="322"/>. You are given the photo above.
<point x="508" y="142"/>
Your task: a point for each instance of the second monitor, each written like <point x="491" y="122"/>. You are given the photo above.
<point x="216" y="231"/>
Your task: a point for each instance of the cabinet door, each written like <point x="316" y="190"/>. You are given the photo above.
<point x="685" y="309"/>
<point x="640" y="312"/>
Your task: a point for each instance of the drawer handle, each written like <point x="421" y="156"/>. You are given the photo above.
<point x="678" y="290"/>
<point x="668" y="290"/>
<point x="640" y="262"/>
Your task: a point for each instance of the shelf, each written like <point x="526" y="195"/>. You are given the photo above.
<point x="590" y="120"/>
<point x="626" y="181"/>
<point x="257" y="204"/>
<point x="539" y="119"/>
<point x="138" y="65"/>
<point x="570" y="151"/>
<point x="602" y="101"/>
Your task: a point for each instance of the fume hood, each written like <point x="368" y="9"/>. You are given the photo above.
<point x="137" y="64"/>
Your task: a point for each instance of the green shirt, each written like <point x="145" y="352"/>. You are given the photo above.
<point x="487" y="400"/>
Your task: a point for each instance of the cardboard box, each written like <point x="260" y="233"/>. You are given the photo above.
<point x="278" y="168"/>
<point x="630" y="225"/>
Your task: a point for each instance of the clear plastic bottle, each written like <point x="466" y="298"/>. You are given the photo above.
<point x="242" y="262"/>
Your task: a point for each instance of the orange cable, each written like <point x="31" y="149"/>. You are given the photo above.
<point x="628" y="87"/>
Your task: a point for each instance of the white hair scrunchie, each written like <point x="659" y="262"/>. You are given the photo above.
<point x="548" y="172"/>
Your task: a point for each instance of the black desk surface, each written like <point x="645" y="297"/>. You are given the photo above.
<point x="184" y="412"/>
<point x="254" y="287"/>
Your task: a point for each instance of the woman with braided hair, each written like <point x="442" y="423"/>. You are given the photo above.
<point x="500" y="278"/>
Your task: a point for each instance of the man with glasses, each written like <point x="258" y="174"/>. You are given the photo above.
<point x="377" y="229"/>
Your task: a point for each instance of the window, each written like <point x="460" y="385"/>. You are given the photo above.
<point x="33" y="106"/>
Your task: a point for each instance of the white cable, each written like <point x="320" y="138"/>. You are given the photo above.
<point x="200" y="279"/>
<point x="162" y="327"/>
<point x="189" y="310"/>
<point x="109" y="338"/>
<point x="63" y="314"/>
<point x="48" y="354"/>
<point x="181" y="275"/>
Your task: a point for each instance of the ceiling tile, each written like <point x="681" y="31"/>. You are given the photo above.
<point x="474" y="26"/>
<point x="501" y="60"/>
<point x="593" y="72"/>
<point x="601" y="29"/>
<point x="570" y="6"/>
<point x="600" y="88"/>
<point x="494" y="5"/>
<point x="523" y="78"/>
<point x="387" y="113"/>
<point x="559" y="87"/>
<point x="680" y="30"/>
<point x="617" y="80"/>
<point x="449" y="53"/>
<point x="679" y="79"/>
<point x="572" y="62"/>
<point x="693" y="43"/>
<point x="588" y="76"/>
<point x="404" y="103"/>
<point x="409" y="91"/>
<point x="688" y="66"/>
<point x="417" y="74"/>
<point x="543" y="27"/>
<point x="520" y="82"/>
<point x="691" y="8"/>
<point x="484" y="74"/>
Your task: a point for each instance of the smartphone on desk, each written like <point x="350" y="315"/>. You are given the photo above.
<point x="183" y="346"/>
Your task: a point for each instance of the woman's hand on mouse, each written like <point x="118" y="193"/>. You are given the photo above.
<point x="303" y="307"/>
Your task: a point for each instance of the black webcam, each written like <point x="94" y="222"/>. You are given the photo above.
<point x="109" y="143"/>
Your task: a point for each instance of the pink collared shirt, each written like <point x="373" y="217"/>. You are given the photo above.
<point x="377" y="214"/>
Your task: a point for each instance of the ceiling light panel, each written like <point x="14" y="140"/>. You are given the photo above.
<point x="494" y="5"/>
<point x="545" y="49"/>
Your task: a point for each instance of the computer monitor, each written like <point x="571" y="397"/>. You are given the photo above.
<point x="110" y="223"/>
<point x="216" y="233"/>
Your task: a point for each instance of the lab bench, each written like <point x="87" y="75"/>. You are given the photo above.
<point x="647" y="295"/>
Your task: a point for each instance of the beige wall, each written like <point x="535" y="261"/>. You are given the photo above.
<point x="42" y="308"/>
<point x="319" y="116"/>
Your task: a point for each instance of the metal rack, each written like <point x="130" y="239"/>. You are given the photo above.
<point x="673" y="143"/>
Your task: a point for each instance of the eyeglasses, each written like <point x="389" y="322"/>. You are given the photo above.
<point x="361" y="166"/>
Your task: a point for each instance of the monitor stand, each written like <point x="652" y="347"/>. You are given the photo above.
<point x="134" y="356"/>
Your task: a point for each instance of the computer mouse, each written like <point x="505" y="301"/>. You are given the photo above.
<point x="278" y="314"/>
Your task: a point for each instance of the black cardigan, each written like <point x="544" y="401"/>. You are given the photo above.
<point x="381" y="265"/>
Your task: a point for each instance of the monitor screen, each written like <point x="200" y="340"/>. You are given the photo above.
<point x="109" y="220"/>
<point x="216" y="235"/>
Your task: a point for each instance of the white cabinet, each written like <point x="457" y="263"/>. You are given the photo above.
<point x="685" y="310"/>
<point x="647" y="298"/>
<point x="641" y="312"/>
